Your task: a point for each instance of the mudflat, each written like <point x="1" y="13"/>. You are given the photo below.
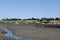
<point x="35" y="33"/>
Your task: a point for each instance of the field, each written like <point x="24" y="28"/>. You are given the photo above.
<point x="30" y="31"/>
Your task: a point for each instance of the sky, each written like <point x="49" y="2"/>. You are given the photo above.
<point x="29" y="8"/>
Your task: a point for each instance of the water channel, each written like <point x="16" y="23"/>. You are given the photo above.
<point x="10" y="34"/>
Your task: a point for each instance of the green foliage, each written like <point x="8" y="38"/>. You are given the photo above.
<point x="47" y="25"/>
<point x="53" y="26"/>
<point x="38" y="25"/>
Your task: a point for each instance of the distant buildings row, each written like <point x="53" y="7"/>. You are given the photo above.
<point x="42" y="21"/>
<point x="20" y="21"/>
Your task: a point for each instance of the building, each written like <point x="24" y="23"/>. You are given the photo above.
<point x="54" y="22"/>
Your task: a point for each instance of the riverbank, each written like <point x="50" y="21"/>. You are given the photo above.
<point x="7" y="33"/>
<point x="38" y="33"/>
<point x="29" y="31"/>
<point x="2" y="37"/>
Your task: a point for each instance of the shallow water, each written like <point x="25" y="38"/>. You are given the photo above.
<point x="11" y="35"/>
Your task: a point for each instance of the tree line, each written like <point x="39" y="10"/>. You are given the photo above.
<point x="33" y="19"/>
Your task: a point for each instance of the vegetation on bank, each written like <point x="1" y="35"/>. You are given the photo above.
<point x="47" y="25"/>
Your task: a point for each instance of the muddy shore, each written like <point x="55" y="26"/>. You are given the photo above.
<point x="36" y="33"/>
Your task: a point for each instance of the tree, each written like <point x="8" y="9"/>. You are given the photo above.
<point x="57" y="18"/>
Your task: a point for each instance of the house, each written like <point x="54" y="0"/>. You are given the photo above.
<point x="54" y="22"/>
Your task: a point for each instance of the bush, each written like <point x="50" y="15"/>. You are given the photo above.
<point x="53" y="26"/>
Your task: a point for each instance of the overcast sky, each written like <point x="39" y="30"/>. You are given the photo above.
<point x="29" y="8"/>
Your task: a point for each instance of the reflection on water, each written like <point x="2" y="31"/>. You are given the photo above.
<point x="11" y="35"/>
